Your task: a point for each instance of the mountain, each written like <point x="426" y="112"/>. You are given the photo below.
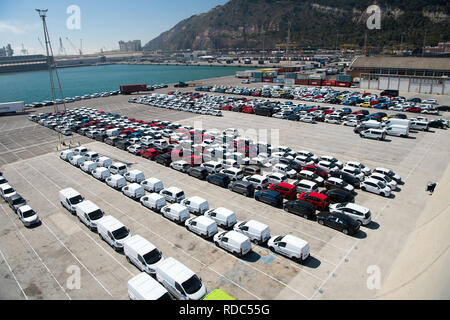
<point x="313" y="23"/>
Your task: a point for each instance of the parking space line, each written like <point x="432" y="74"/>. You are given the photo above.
<point x="56" y="237"/>
<point x="34" y="251"/>
<point x="27" y="147"/>
<point x="14" y="276"/>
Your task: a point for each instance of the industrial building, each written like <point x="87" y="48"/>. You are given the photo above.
<point x="130" y="46"/>
<point x="23" y="63"/>
<point x="6" y="51"/>
<point x="408" y="74"/>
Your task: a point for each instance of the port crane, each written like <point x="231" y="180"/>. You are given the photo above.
<point x="61" y="50"/>
<point x="73" y="46"/>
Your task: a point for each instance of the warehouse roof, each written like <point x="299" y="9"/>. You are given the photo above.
<point x="402" y="63"/>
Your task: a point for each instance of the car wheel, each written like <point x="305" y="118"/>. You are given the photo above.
<point x="305" y="216"/>
<point x="272" y="249"/>
<point x="216" y="243"/>
<point x="363" y="188"/>
<point x="286" y="209"/>
<point x="345" y="231"/>
<point x="128" y="259"/>
<point x="321" y="222"/>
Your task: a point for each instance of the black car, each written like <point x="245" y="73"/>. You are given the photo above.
<point x="164" y="159"/>
<point x="100" y="136"/>
<point x="438" y="123"/>
<point x="338" y="221"/>
<point x="198" y="172"/>
<point x="123" y="144"/>
<point x="2" y="180"/>
<point x="351" y="180"/>
<point x="443" y="108"/>
<point x="339" y="196"/>
<point x="219" y="179"/>
<point x="400" y="116"/>
<point x="111" y="141"/>
<point x="251" y="170"/>
<point x="300" y="208"/>
<point x="297" y="166"/>
<point x="270" y="197"/>
<point x="16" y="201"/>
<point x="243" y="187"/>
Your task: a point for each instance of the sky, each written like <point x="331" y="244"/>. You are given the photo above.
<point x="101" y="24"/>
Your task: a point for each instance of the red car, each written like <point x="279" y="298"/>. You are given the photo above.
<point x="318" y="200"/>
<point x="194" y="161"/>
<point x="227" y="108"/>
<point x="149" y="153"/>
<point x="288" y="191"/>
<point x="413" y="109"/>
<point x="317" y="170"/>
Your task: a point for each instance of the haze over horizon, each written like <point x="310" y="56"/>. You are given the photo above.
<point x="103" y="23"/>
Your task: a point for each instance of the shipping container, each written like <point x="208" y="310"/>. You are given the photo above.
<point x="303" y="82"/>
<point x="131" y="88"/>
<point x="343" y="78"/>
<point x="289" y="82"/>
<point x="343" y="84"/>
<point x="329" y="83"/>
<point x="9" y="107"/>
<point x="267" y="80"/>
<point x="315" y="82"/>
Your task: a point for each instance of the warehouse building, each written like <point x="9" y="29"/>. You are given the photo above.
<point x="410" y="74"/>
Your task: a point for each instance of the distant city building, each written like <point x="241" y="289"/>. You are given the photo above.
<point x="6" y="51"/>
<point x="130" y="46"/>
<point x="441" y="48"/>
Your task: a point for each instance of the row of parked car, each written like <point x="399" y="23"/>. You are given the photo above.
<point x="18" y="204"/>
<point x="47" y="103"/>
<point x="329" y="95"/>
<point x="172" y="204"/>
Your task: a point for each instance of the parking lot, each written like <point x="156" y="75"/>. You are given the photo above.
<point x="37" y="263"/>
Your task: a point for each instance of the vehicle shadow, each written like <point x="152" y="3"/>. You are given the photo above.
<point x="410" y="137"/>
<point x="311" y="262"/>
<point x="373" y="225"/>
<point x="392" y="196"/>
<point x="14" y="114"/>
<point x="251" y="257"/>
<point x="360" y="235"/>
<point x="398" y="189"/>
<point x="34" y="226"/>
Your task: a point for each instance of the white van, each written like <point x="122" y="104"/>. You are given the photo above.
<point x="257" y="232"/>
<point x="173" y="194"/>
<point x="112" y="132"/>
<point x="224" y="217"/>
<point x="134" y="191"/>
<point x="196" y="205"/>
<point x="70" y="198"/>
<point x="397" y="122"/>
<point x="142" y="253"/>
<point x="89" y="214"/>
<point x="91" y="156"/>
<point x="161" y="143"/>
<point x="101" y="174"/>
<point x="113" y="232"/>
<point x="371" y="124"/>
<point x="290" y="246"/>
<point x="234" y="242"/>
<point x="419" y="125"/>
<point x="398" y="131"/>
<point x="144" y="287"/>
<point x="116" y="181"/>
<point x="77" y="161"/>
<point x="104" y="162"/>
<point x="203" y="226"/>
<point x="373" y="134"/>
<point x="152" y="185"/>
<point x="212" y="166"/>
<point x="66" y="155"/>
<point x="176" y="212"/>
<point x="136" y="176"/>
<point x="80" y="151"/>
<point x="118" y="168"/>
<point x="179" y="280"/>
<point x="153" y="201"/>
<point x="88" y="166"/>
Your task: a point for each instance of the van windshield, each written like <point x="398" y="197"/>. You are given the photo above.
<point x="122" y="168"/>
<point x="76" y="200"/>
<point x="165" y="296"/>
<point x="152" y="257"/>
<point x="180" y="194"/>
<point x="121" y="233"/>
<point x="192" y="285"/>
<point x="95" y="215"/>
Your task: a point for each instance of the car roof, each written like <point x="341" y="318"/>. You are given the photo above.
<point x="256" y="225"/>
<point x="317" y="195"/>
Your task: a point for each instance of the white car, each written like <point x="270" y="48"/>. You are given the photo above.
<point x="354" y="172"/>
<point x="181" y="166"/>
<point x="309" y="175"/>
<point x="332" y="160"/>
<point x="354" y="211"/>
<point x="307" y="154"/>
<point x="28" y="216"/>
<point x="387" y="180"/>
<point x="376" y="186"/>
<point x="276" y="177"/>
<point x="339" y="184"/>
<point x="388" y="173"/>
<point x="135" y="148"/>
<point x="328" y="166"/>
<point x="282" y="168"/>
<point x="358" y="165"/>
<point x="350" y="123"/>
<point x="258" y="181"/>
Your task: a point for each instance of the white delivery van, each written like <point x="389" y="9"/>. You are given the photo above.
<point x="66" y="155"/>
<point x="101" y="174"/>
<point x="116" y="181"/>
<point x="118" y="168"/>
<point x="290" y="246"/>
<point x="419" y="125"/>
<point x="257" y="232"/>
<point x="70" y="198"/>
<point x="152" y="185"/>
<point x="176" y="212"/>
<point x="91" y="156"/>
<point x="88" y="166"/>
<point x="89" y="213"/>
<point x="398" y="130"/>
<point x="372" y="124"/>
<point x="234" y="242"/>
<point x="112" y="132"/>
<point x="136" y="176"/>
<point x="104" y="162"/>
<point x="397" y="122"/>
<point x="224" y="217"/>
<point x="142" y="253"/>
<point x="134" y="191"/>
<point x="144" y="287"/>
<point x="196" y="205"/>
<point x="203" y="226"/>
<point x="153" y="201"/>
<point x="80" y="151"/>
<point x="77" y="161"/>
<point x="113" y="232"/>
<point x="173" y="194"/>
<point x="179" y="280"/>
